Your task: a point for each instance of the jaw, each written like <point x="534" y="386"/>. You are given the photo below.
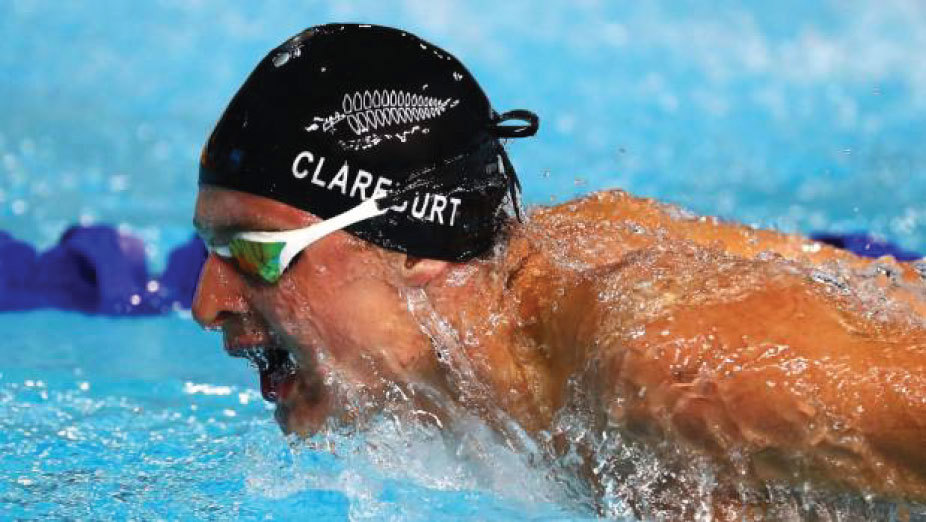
<point x="345" y="391"/>
<point x="306" y="408"/>
<point x="353" y="343"/>
<point x="291" y="375"/>
<point x="307" y="403"/>
<point x="323" y="386"/>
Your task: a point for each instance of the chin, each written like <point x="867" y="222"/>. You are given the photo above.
<point x="305" y="408"/>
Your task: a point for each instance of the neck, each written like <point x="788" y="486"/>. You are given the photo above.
<point x="511" y="328"/>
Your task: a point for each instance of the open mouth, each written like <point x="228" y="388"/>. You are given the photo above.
<point x="295" y="385"/>
<point x="278" y="370"/>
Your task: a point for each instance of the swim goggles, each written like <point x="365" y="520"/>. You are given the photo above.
<point x="267" y="254"/>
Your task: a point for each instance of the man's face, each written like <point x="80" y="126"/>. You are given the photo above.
<point x="337" y="308"/>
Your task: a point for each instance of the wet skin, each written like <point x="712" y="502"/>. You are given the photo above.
<point x="716" y="337"/>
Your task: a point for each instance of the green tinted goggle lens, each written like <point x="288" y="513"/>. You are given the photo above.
<point x="257" y="258"/>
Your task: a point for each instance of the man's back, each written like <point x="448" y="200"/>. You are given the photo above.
<point x="782" y="359"/>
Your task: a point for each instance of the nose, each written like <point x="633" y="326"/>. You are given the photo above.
<point x="220" y="293"/>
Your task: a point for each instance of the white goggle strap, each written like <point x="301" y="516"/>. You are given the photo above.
<point x="296" y="240"/>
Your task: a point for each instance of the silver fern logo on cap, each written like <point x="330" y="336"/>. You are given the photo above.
<point x="368" y="111"/>
<point x="380" y="109"/>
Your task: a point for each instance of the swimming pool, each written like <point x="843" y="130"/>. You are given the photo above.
<point x="802" y="118"/>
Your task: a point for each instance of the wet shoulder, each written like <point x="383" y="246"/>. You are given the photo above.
<point x="596" y="229"/>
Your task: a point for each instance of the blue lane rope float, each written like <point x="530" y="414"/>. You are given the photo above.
<point x="99" y="270"/>
<point x="865" y="245"/>
<point x="96" y="270"/>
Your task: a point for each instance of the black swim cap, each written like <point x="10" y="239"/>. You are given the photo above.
<point x="342" y="111"/>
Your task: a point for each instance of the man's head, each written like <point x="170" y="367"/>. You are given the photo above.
<point x="335" y="116"/>
<point x="338" y="306"/>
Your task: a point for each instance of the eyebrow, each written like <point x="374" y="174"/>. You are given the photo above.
<point x="212" y="231"/>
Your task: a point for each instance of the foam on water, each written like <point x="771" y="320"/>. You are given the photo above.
<point x="177" y="429"/>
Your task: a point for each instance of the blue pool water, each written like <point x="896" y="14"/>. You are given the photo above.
<point x="145" y="419"/>
<point x="794" y="115"/>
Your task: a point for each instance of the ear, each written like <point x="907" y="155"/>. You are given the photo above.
<point x="419" y="272"/>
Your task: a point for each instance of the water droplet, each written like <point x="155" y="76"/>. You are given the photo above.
<point x="281" y="58"/>
<point x="830" y="280"/>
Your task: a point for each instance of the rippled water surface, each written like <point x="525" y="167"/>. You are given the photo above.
<point x="147" y="418"/>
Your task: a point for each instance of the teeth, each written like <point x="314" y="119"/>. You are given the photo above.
<point x="257" y="358"/>
<point x="265" y="359"/>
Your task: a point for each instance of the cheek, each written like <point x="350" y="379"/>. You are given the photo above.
<point x="357" y="311"/>
<point x="363" y="306"/>
<point x="287" y="311"/>
<point x="326" y="299"/>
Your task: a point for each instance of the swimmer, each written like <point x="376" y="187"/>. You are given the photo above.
<point x="353" y="197"/>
